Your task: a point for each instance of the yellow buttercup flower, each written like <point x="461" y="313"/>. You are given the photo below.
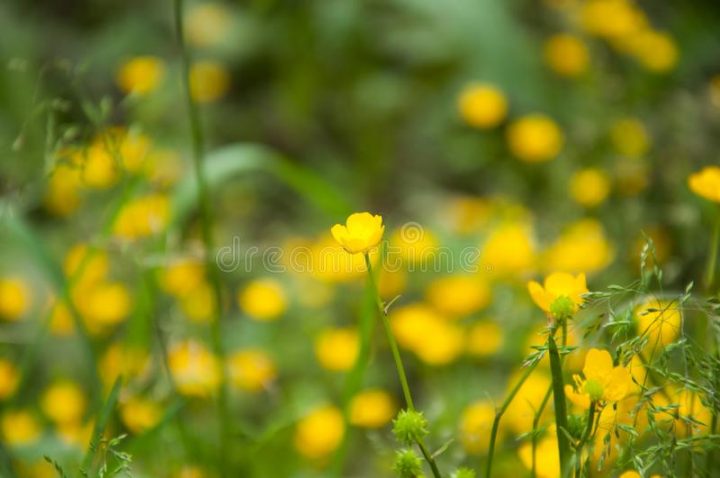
<point x="602" y="382"/>
<point x="484" y="339"/>
<point x="99" y="168"/>
<point x="557" y="287"/>
<point x="413" y="244"/>
<point x="521" y="412"/>
<point x="141" y="75"/>
<point x="582" y="247"/>
<point x="9" y="378"/>
<point x="140" y="414"/>
<point x="209" y="81"/>
<point x="195" y="370"/>
<point x="320" y="432"/>
<point x="372" y="408"/>
<point x="263" y="299"/>
<point x="589" y="187"/>
<point x="328" y="261"/>
<point x="706" y="183"/>
<point x="475" y="426"/>
<point x="659" y="321"/>
<point x="63" y="195"/>
<point x="121" y="359"/>
<point x="630" y="137"/>
<point x="656" y="51"/>
<point x="458" y="295"/>
<point x="362" y="231"/>
<point x="567" y="55"/>
<point x="611" y="19"/>
<point x="19" y="428"/>
<point x="64" y="402"/>
<point x="84" y="265"/>
<point x="337" y="349"/>
<point x="142" y="217"/>
<point x="509" y="250"/>
<point x="182" y="276"/>
<point x="102" y="305"/>
<point x="251" y="369"/>
<point x="547" y="460"/>
<point x="535" y="138"/>
<point x="433" y="338"/>
<point x="14" y="298"/>
<point x="75" y="434"/>
<point x="482" y="105"/>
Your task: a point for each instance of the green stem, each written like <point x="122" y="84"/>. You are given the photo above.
<point x="500" y="412"/>
<point x="206" y="227"/>
<point x="712" y="259"/>
<point x="560" y="405"/>
<point x="588" y="427"/>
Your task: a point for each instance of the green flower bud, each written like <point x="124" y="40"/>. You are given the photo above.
<point x="463" y="473"/>
<point x="407" y="464"/>
<point x="594" y="389"/>
<point x="562" y="308"/>
<point x="410" y="426"/>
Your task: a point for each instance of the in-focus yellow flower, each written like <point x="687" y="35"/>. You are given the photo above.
<point x="180" y="277"/>
<point x="372" y="408"/>
<point x="14" y="298"/>
<point x="630" y="137"/>
<point x="19" y="428"/>
<point x="140" y="75"/>
<point x="475" y="426"/>
<point x="251" y="369"/>
<point x="559" y="286"/>
<point x="535" y="138"/>
<point x="458" y="295"/>
<point x="482" y="105"/>
<point x="337" y="349"/>
<point x="209" y="81"/>
<point x="199" y="304"/>
<point x="434" y="339"/>
<point x="362" y="231"/>
<point x="64" y="402"/>
<point x="589" y="187"/>
<point x="567" y="55"/>
<point x="195" y="370"/>
<point x="263" y="299"/>
<point x="582" y="247"/>
<point x="602" y="382"/>
<point x="320" y="432"/>
<point x="509" y="250"/>
<point x="207" y="24"/>
<point x="659" y="321"/>
<point x="706" y="183"/>
<point x="140" y="414"/>
<point x="142" y="217"/>
<point x="547" y="460"/>
<point x="484" y="339"/>
<point x="8" y="379"/>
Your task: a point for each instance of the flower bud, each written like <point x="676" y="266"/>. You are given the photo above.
<point x="410" y="426"/>
<point x="407" y="464"/>
<point x="562" y="308"/>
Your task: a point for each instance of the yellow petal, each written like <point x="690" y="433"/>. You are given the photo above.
<point x="539" y="295"/>
<point x="598" y="365"/>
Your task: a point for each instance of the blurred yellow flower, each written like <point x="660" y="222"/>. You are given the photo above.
<point x="547" y="460"/>
<point x="337" y="349"/>
<point x="602" y="382"/>
<point x="99" y="167"/>
<point x="142" y="217"/>
<point x="362" y="231"/>
<point x="372" y="408"/>
<point x="475" y="426"/>
<point x="567" y="55"/>
<point x="484" y="339"/>
<point x="19" y="428"/>
<point x="140" y="75"/>
<point x="199" y="303"/>
<point x="329" y="262"/>
<point x="470" y="214"/>
<point x="509" y="250"/>
<point x="251" y="369"/>
<point x="630" y="474"/>
<point x="163" y="167"/>
<point x="535" y="138"/>
<point x="558" y="286"/>
<point x="132" y="146"/>
<point x="63" y="194"/>
<point x="182" y="276"/>
<point x="191" y="472"/>
<point x="86" y="265"/>
<point x="611" y="19"/>
<point x="630" y="137"/>
<point x="482" y="105"/>
<point x="195" y="370"/>
<point x="659" y="321"/>
<point x="413" y="244"/>
<point x="263" y="299"/>
<point x="433" y="338"/>
<point x="319" y="433"/>
<point x="582" y="247"/>
<point x="458" y="295"/>
<point x="140" y="414"/>
<point x="14" y="298"/>
<point x="706" y="183"/>
<point x="209" y="81"/>
<point x="207" y="24"/>
<point x="9" y="378"/>
<point x="121" y="359"/>
<point x="589" y="187"/>
<point x="102" y="305"/>
<point x="520" y="413"/>
<point x="656" y="51"/>
<point x="691" y="406"/>
<point x="64" y="402"/>
<point x="75" y="434"/>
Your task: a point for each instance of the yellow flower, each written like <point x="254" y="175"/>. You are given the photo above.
<point x="209" y="81"/>
<point x="120" y="359"/>
<point x="194" y="368"/>
<point x="372" y="408"/>
<point x="140" y="414"/>
<point x="691" y="406"/>
<point x="547" y="460"/>
<point x="14" y="298"/>
<point x="99" y="168"/>
<point x="362" y="231"/>
<point x="567" y="55"/>
<point x="191" y="472"/>
<point x="9" y="378"/>
<point x="63" y="193"/>
<point x="251" y="369"/>
<point x="509" y="250"/>
<point x="199" y="304"/>
<point x="521" y="412"/>
<point x="84" y="265"/>
<point x="337" y="349"/>
<point x="630" y="474"/>
<point x="141" y="75"/>
<point x="263" y="299"/>
<point x="320" y="432"/>
<point x="482" y="105"/>
<point x="413" y="244"/>
<point x="656" y="51"/>
<point x="659" y="321"/>
<point x="630" y="137"/>
<point x="328" y="261"/>
<point x="64" y="402"/>
<point x="433" y="338"/>
<point x="602" y="383"/>
<point x="132" y="146"/>
<point x="611" y="18"/>
<point x="559" y="286"/>
<point x="582" y="247"/>
<point x="535" y="138"/>
<point x="182" y="276"/>
<point x="75" y="434"/>
<point x="102" y="305"/>
<point x="458" y="295"/>
<point x="475" y="426"/>
<point x="484" y="339"/>
<point x="142" y="217"/>
<point x="706" y="183"/>
<point x="589" y="187"/>
<point x="207" y="24"/>
<point x="19" y="428"/>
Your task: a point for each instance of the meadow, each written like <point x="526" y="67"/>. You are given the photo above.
<point x="398" y="238"/>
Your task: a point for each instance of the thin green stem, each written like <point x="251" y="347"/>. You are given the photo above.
<point x="588" y="428"/>
<point x="560" y="405"/>
<point x="206" y="227"/>
<point x="500" y="412"/>
<point x="712" y="258"/>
